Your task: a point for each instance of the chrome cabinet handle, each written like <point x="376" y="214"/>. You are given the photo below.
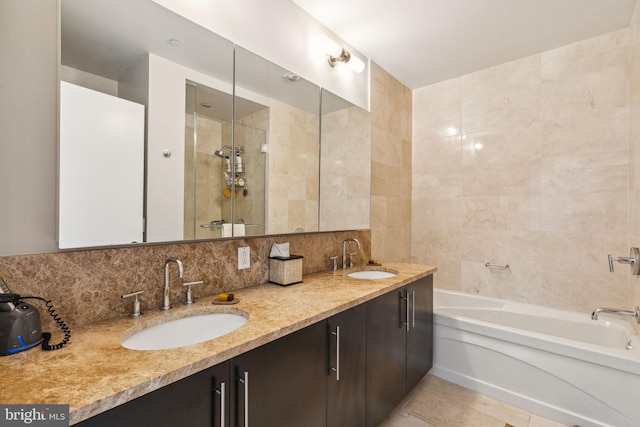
<point x="245" y="382"/>
<point x="413" y="309"/>
<point x="222" y="393"/>
<point x="337" y="368"/>
<point x="406" y="299"/>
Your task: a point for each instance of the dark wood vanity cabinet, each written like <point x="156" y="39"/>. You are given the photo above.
<point x="386" y="352"/>
<point x="420" y="334"/>
<point x="346" y="403"/>
<point x="399" y="346"/>
<point x="349" y="370"/>
<point x="283" y="383"/>
<point x="192" y="401"/>
<point x="313" y="377"/>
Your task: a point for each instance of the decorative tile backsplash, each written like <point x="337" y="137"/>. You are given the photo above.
<point x="86" y="286"/>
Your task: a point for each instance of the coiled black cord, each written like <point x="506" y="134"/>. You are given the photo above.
<point x="61" y="324"/>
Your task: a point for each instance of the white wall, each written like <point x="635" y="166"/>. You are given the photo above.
<point x="166" y="131"/>
<point x="88" y="80"/>
<point x="281" y="32"/>
<point x="134" y="85"/>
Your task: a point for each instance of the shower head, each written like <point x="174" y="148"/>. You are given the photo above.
<point x="220" y="152"/>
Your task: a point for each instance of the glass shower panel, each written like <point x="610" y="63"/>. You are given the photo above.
<point x="250" y="182"/>
<point x="208" y="199"/>
<point x="189" y="162"/>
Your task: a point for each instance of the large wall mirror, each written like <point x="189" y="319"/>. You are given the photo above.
<point x="270" y="154"/>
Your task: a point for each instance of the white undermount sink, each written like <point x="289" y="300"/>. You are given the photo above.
<point x="184" y="331"/>
<point x="371" y="274"/>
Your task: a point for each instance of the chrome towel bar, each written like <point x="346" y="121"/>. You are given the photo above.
<point x="497" y="267"/>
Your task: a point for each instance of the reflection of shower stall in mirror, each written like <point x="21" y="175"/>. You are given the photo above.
<point x="223" y="179"/>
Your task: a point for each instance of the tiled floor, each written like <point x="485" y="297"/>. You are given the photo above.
<point x="438" y="403"/>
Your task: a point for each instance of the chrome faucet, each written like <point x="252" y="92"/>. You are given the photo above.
<point x="635" y="314"/>
<point x="166" y="303"/>
<point x="344" y="251"/>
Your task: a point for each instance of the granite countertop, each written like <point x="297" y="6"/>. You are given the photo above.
<point x="93" y="373"/>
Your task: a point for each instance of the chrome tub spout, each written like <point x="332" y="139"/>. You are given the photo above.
<point x="635" y="314"/>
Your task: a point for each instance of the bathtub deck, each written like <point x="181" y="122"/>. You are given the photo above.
<point x="438" y="403"/>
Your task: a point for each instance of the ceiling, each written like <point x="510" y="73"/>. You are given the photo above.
<point x="421" y="42"/>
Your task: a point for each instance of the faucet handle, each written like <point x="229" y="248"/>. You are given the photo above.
<point x="189" y="299"/>
<point x="633" y="260"/>
<point x="136" y="303"/>
<point x="335" y="262"/>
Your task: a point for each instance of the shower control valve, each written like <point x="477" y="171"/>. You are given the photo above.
<point x="633" y="260"/>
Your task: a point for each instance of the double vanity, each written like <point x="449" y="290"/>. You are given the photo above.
<point x="333" y="350"/>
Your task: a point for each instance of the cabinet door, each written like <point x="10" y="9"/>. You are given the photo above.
<point x="283" y="383"/>
<point x="191" y="402"/>
<point x="220" y="395"/>
<point x="386" y="353"/>
<point x="420" y="334"/>
<point x="347" y="363"/>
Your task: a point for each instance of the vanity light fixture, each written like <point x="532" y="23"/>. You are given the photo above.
<point x="336" y="54"/>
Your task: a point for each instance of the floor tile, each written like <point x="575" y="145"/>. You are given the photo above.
<point x="405" y="419"/>
<point x="538" y="421"/>
<point x="438" y="403"/>
<point x="445" y="412"/>
<point x="516" y="417"/>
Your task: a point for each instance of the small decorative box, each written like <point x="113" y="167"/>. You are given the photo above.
<point x="285" y="270"/>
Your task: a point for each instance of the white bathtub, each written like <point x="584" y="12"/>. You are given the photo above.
<point x="558" y="364"/>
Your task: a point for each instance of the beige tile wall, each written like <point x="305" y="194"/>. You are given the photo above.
<point x="634" y="143"/>
<point x="293" y="169"/>
<point x="391" y="149"/>
<point x="345" y="189"/>
<point x="527" y="164"/>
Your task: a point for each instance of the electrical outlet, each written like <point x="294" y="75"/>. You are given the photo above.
<point x="244" y="258"/>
